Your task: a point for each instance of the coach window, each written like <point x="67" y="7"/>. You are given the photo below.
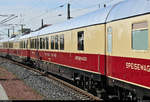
<point x="62" y="42"/>
<point x="23" y="44"/>
<point x="56" y="42"/>
<point x="140" y="36"/>
<point x="109" y="40"/>
<point x="26" y="43"/>
<point x="37" y="43"/>
<point x="30" y="43"/>
<point x="40" y="43"/>
<point x="81" y="40"/>
<point x="47" y="43"/>
<point x="52" y="42"/>
<point x="44" y="44"/>
<point x="19" y="45"/>
<point x="33" y="43"/>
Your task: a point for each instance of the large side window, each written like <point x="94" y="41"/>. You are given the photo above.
<point x="140" y="36"/>
<point x="62" y="42"/>
<point x="56" y="42"/>
<point x="81" y="40"/>
<point x="52" y="42"/>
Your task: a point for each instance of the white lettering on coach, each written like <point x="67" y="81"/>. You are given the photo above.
<point x="79" y="58"/>
<point x="136" y="66"/>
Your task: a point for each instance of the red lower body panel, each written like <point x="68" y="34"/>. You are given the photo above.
<point x="88" y="62"/>
<point x="132" y="70"/>
<point x="4" y="51"/>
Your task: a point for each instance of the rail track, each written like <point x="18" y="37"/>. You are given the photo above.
<point x="78" y="90"/>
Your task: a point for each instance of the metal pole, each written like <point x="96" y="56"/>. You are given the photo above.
<point x="13" y="30"/>
<point x="68" y="9"/>
<point x="22" y="28"/>
<point x="42" y="23"/>
<point x="8" y="33"/>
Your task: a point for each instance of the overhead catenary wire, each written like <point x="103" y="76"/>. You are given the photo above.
<point x="76" y="10"/>
<point x="8" y="19"/>
<point x="47" y="11"/>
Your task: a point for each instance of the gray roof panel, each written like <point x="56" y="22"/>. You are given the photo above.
<point x="129" y="8"/>
<point x="124" y="9"/>
<point x="97" y="17"/>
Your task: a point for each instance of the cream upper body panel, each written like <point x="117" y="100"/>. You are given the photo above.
<point x="93" y="40"/>
<point x="122" y="37"/>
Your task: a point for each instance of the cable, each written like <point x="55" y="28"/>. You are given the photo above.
<point x="52" y="9"/>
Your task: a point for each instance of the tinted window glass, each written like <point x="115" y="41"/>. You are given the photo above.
<point x="62" y="42"/>
<point x="47" y="43"/>
<point x="140" y="39"/>
<point x="81" y="40"/>
<point x="56" y="42"/>
<point x="37" y="43"/>
<point x="140" y="36"/>
<point x="41" y="43"/>
<point x="52" y="42"/>
<point x="109" y="40"/>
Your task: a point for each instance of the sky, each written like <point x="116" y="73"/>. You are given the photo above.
<point x="30" y="12"/>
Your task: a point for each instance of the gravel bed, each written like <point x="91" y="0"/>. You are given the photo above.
<point x="46" y="87"/>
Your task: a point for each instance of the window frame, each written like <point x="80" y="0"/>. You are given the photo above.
<point x="41" y="43"/>
<point x="56" y="42"/>
<point x="133" y="28"/>
<point x="78" y="41"/>
<point x="52" y="42"/>
<point x="109" y="40"/>
<point x="62" y="42"/>
<point x="47" y="42"/>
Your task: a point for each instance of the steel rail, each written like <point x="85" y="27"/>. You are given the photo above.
<point x="82" y="92"/>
